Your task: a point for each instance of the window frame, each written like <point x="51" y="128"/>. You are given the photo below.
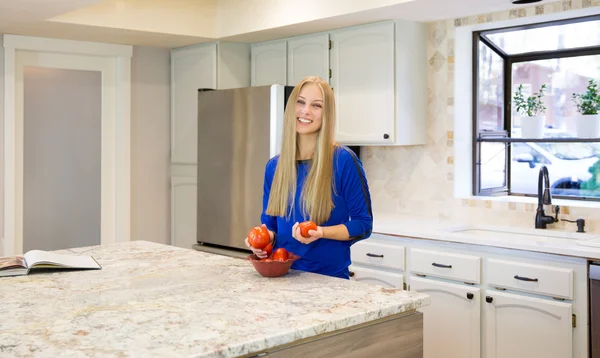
<point x="508" y="61"/>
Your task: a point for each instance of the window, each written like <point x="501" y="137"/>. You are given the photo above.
<point x="561" y="56"/>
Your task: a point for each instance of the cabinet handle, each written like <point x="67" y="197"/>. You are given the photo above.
<point x="526" y="278"/>
<point x="470" y="295"/>
<point x="351" y="274"/>
<point x="374" y="255"/>
<point x="386" y="136"/>
<point x="441" y="265"/>
<point x="489" y="299"/>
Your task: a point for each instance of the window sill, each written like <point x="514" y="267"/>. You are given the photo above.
<point x="530" y="200"/>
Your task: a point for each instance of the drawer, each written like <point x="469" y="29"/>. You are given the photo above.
<point x="378" y="254"/>
<point x="466" y="268"/>
<point x="543" y="280"/>
<point x="377" y="277"/>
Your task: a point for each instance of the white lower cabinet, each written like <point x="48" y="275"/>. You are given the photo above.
<point x="485" y="302"/>
<point x="183" y="211"/>
<point x="377" y="277"/>
<point x="525" y="327"/>
<point x="451" y="322"/>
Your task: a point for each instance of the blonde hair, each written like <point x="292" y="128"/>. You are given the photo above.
<point x="317" y="201"/>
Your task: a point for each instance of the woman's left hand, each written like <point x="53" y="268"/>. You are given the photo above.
<point x="314" y="234"/>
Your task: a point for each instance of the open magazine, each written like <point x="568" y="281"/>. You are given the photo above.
<point x="21" y="265"/>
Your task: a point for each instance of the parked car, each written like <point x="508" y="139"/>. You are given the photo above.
<point x="568" y="166"/>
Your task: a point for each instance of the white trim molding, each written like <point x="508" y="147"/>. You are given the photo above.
<point x="114" y="61"/>
<point x="41" y="44"/>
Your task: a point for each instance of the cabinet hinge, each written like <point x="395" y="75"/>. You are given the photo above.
<point x="330" y="73"/>
<point x="574" y="321"/>
<point x="330" y="44"/>
<point x="404" y="286"/>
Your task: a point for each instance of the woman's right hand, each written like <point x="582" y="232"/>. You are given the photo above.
<point x="259" y="252"/>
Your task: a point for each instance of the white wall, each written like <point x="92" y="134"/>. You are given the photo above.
<point x="150" y="138"/>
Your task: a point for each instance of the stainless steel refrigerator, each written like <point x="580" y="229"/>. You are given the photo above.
<point x="239" y="130"/>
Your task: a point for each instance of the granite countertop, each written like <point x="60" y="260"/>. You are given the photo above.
<point x="157" y="300"/>
<point x="568" y="243"/>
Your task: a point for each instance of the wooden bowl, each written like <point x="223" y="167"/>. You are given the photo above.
<point x="272" y="268"/>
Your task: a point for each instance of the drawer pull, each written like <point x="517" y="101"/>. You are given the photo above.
<point x="441" y="265"/>
<point x="374" y="255"/>
<point x="470" y="295"/>
<point x="489" y="299"/>
<point x="526" y="278"/>
<point x="351" y="274"/>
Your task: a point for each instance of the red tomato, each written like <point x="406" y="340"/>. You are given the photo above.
<point x="259" y="237"/>
<point x="269" y="249"/>
<point x="305" y="226"/>
<point x="281" y="254"/>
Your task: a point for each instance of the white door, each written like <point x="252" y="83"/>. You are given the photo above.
<point x="268" y="64"/>
<point x="307" y="56"/>
<point x="377" y="277"/>
<point x="362" y="65"/>
<point x="61" y="158"/>
<point x="451" y="323"/>
<point x="523" y="327"/>
<point x="25" y="65"/>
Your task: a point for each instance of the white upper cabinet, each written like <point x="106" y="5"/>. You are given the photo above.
<point x="195" y="67"/>
<point x="378" y="73"/>
<point x="411" y="83"/>
<point x="362" y="64"/>
<point x="268" y="63"/>
<point x="191" y="68"/>
<point x="307" y="56"/>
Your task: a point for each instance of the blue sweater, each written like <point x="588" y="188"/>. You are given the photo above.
<point x="352" y="207"/>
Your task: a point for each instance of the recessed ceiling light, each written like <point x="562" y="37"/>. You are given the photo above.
<point x="524" y="1"/>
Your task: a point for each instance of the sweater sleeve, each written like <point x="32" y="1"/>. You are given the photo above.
<point x="268" y="220"/>
<point x="355" y="191"/>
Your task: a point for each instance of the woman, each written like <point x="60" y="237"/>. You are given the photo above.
<point x="315" y="179"/>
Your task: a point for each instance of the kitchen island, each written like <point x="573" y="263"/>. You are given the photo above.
<point x="157" y="300"/>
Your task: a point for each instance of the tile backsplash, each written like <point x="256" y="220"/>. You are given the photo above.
<point x="419" y="180"/>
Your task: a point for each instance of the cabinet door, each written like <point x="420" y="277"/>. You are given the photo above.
<point x="377" y="277"/>
<point x="451" y="323"/>
<point x="268" y="64"/>
<point x="191" y="68"/>
<point x="524" y="327"/>
<point x="362" y="64"/>
<point x="307" y="56"/>
<point x="183" y="212"/>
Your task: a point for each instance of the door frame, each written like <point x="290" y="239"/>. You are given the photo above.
<point x="115" y="151"/>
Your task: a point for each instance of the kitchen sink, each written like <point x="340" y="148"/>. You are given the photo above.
<point x="502" y="233"/>
<point x="591" y="242"/>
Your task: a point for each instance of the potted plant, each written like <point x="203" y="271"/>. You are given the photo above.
<point x="588" y="105"/>
<point x="532" y="111"/>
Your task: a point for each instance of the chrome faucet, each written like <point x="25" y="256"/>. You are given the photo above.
<point x="544" y="198"/>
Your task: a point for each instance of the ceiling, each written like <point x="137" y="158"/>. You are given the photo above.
<point x="176" y="23"/>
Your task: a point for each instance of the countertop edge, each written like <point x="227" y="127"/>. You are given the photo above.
<point x="324" y="329"/>
<point x="438" y="233"/>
